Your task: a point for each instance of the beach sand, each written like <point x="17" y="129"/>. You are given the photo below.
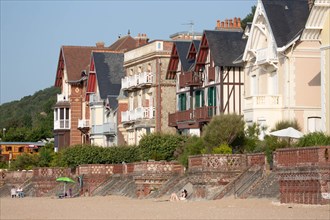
<point x="116" y="207"/>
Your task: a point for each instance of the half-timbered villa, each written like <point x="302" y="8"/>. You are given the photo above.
<point x="282" y="73"/>
<point x="208" y="82"/>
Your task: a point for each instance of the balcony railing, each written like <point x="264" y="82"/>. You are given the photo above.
<point x="83" y="123"/>
<point x="190" y="79"/>
<point x="263" y="101"/>
<point x="104" y="129"/>
<point x="61" y="98"/>
<point x="266" y="55"/>
<point x="62" y="124"/>
<point x="95" y="98"/>
<point x="138" y="80"/>
<point x="202" y="114"/>
<point x="138" y="113"/>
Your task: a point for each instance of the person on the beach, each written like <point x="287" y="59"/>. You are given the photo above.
<point x="20" y="192"/>
<point x="183" y="196"/>
<point x="13" y="192"/>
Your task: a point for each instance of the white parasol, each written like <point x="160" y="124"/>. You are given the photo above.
<point x="287" y="133"/>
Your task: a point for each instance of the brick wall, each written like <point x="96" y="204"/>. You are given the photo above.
<point x="76" y="114"/>
<point x="44" y="179"/>
<point x="304" y="174"/>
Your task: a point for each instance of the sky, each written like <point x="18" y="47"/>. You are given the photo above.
<point x="32" y="32"/>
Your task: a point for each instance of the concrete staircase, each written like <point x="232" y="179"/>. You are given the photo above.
<point x="117" y="185"/>
<point x="240" y="186"/>
<point x="174" y="184"/>
<point x="268" y="187"/>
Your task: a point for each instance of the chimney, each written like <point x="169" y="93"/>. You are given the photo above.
<point x="226" y="23"/>
<point x="100" y="44"/>
<point x="222" y="24"/>
<point x="235" y="22"/>
<point x="141" y="39"/>
<point x="238" y="22"/>
<point x="218" y="25"/>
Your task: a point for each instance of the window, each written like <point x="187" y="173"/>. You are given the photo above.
<point x="182" y="102"/>
<point x="199" y="98"/>
<point x="212" y="97"/>
<point x="21" y="149"/>
<point x="212" y="102"/>
<point x="254" y="86"/>
<point x="9" y="148"/>
<point x="314" y="124"/>
<point x="273" y="83"/>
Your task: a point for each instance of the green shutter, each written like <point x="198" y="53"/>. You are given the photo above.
<point x="182" y="100"/>
<point x="197" y="99"/>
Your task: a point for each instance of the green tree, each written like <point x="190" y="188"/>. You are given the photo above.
<point x="158" y="146"/>
<point x="25" y="161"/>
<point x="46" y="155"/>
<point x="223" y="129"/>
<point x="193" y="146"/>
<point x="249" y="17"/>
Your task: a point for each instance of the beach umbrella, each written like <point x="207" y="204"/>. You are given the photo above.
<point x="287" y="133"/>
<point x="65" y="180"/>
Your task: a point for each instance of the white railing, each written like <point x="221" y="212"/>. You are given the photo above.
<point x="139" y="79"/>
<point x="61" y="98"/>
<point x="83" y="123"/>
<point x="62" y="124"/>
<point x="94" y="98"/>
<point x="106" y="128"/>
<point x="263" y="101"/>
<point x="138" y="113"/>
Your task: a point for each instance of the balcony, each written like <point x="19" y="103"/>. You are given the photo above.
<point x="138" y="114"/>
<point x="61" y="98"/>
<point x="95" y="98"/>
<point x="83" y="123"/>
<point x="190" y="79"/>
<point x="108" y="128"/>
<point x="62" y="124"/>
<point x="202" y="114"/>
<point x="263" y="101"/>
<point x="139" y="80"/>
<point x="266" y="55"/>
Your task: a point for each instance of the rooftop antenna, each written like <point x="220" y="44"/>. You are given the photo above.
<point x="191" y="23"/>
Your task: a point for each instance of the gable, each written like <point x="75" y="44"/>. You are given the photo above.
<point x="286" y="18"/>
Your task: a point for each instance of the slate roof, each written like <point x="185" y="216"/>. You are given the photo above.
<point x="225" y="46"/>
<point x="109" y="72"/>
<point x="287" y="18"/>
<point x="196" y="44"/>
<point x="182" y="48"/>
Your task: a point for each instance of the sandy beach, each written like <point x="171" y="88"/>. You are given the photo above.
<point x="116" y="207"/>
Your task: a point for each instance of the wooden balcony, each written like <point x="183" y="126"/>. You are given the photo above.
<point x="202" y="114"/>
<point x="190" y="79"/>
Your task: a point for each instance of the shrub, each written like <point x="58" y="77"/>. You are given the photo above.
<point x="223" y="129"/>
<point x="193" y="146"/>
<point x="158" y="146"/>
<point x="314" y="139"/>
<point x="222" y="149"/>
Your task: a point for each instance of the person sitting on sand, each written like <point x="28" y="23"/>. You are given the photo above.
<point x="183" y="196"/>
<point x="13" y="192"/>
